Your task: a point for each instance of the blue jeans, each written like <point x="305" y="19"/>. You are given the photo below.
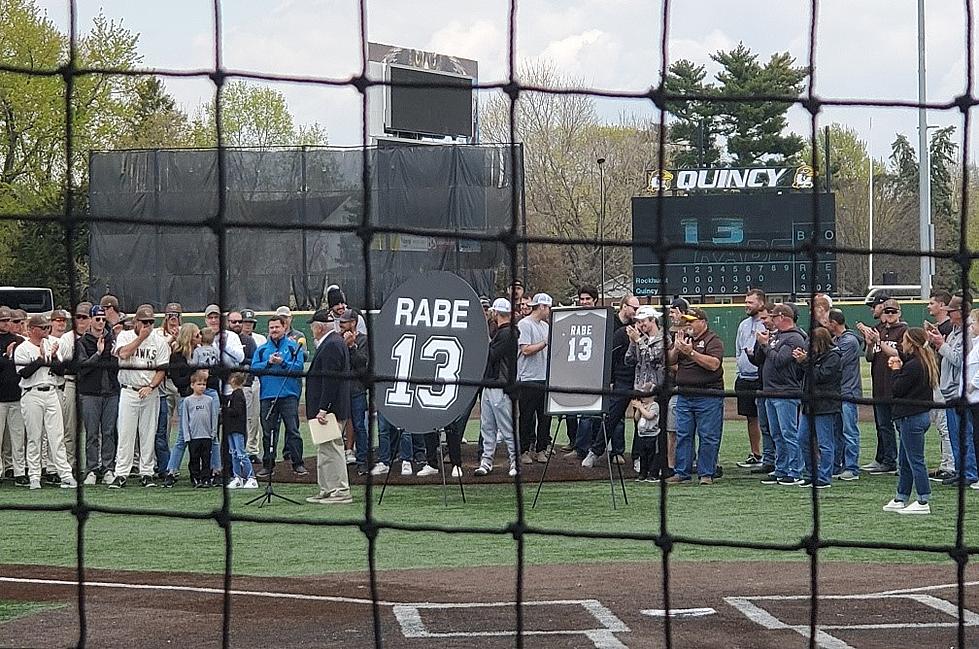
<point x="767" y="445"/>
<point x="162" y="437"/>
<point x="703" y="417"/>
<point x="825" y="427"/>
<point x="286" y="411"/>
<point x="177" y="452"/>
<point x="847" y="438"/>
<point x="358" y="415"/>
<point x="911" y="458"/>
<point x="965" y="461"/>
<point x="886" y="436"/>
<point x="241" y="466"/>
<point x="783" y="421"/>
<point x="385" y="432"/>
<point x="586" y="434"/>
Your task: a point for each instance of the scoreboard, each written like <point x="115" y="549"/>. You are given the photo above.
<point x="751" y="239"/>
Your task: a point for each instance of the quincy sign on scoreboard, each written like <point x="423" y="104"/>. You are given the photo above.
<point x="430" y="333"/>
<point x="771" y="224"/>
<point x="578" y="358"/>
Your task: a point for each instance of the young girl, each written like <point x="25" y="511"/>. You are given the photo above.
<point x="235" y="424"/>
<point x="647" y="431"/>
<point x="199" y="422"/>
<point x="915" y="378"/>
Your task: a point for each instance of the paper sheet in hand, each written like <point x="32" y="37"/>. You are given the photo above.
<point x="327" y="432"/>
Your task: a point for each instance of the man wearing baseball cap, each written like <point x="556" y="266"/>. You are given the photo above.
<point x="12" y="436"/>
<point x="67" y="351"/>
<point x="98" y="387"/>
<point x="699" y="354"/>
<point x="40" y="406"/>
<point x="496" y="403"/>
<point x="291" y="332"/>
<point x="535" y="425"/>
<point x="253" y="438"/>
<point x="882" y="343"/>
<point x="110" y="303"/>
<point x="140" y="354"/>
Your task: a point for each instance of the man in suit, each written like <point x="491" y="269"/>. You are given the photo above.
<point x="327" y="395"/>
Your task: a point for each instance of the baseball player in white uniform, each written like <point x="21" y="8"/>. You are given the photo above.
<point x="69" y="399"/>
<point x="139" y="352"/>
<point x="40" y="405"/>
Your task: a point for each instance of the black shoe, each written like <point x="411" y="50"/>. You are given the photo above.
<point x="764" y="468"/>
<point x="168" y="481"/>
<point x="362" y="469"/>
<point x="134" y="471"/>
<point x="118" y="483"/>
<point x="300" y="470"/>
<point x="51" y="479"/>
<point x="253" y="459"/>
<point x="805" y="482"/>
<point x="147" y="481"/>
<point x="22" y="481"/>
<point x="788" y="482"/>
<point x="750" y="462"/>
<point x="718" y="472"/>
<point x="938" y="475"/>
<point x="8" y="474"/>
<point x="263" y="473"/>
<point x="952" y="481"/>
<point x="770" y="480"/>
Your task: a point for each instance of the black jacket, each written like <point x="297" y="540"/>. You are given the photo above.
<point x="180" y="372"/>
<point x="9" y="380"/>
<point x="98" y="374"/>
<point x="502" y="359"/>
<point x="910" y="382"/>
<point x="248" y="344"/>
<point x="329" y="393"/>
<point x="826" y="378"/>
<point x="623" y="375"/>
<point x="235" y="418"/>
<point x="359" y="358"/>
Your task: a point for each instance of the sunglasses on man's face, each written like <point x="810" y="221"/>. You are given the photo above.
<point x="99" y="318"/>
<point x="4" y="319"/>
<point x="890" y="311"/>
<point x="234" y="321"/>
<point x="148" y="322"/>
<point x="16" y="321"/>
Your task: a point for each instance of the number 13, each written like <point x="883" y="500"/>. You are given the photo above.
<point x="584" y="351"/>
<point x="446" y="351"/>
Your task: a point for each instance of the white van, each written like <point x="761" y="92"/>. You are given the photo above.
<point x="31" y="300"/>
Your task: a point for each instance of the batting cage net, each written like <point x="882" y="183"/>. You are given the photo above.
<point x="222" y="191"/>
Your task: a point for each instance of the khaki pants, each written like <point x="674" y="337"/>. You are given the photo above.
<point x="42" y="419"/>
<point x="14" y="438"/>
<point x="73" y="423"/>
<point x="331" y="467"/>
<point x="137" y="418"/>
<point x="253" y="436"/>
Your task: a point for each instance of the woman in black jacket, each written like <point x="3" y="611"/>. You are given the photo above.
<point x="179" y="371"/>
<point x="915" y="378"/>
<point x="820" y="406"/>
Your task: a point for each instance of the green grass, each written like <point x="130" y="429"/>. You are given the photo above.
<point x="12" y="610"/>
<point x="737" y="507"/>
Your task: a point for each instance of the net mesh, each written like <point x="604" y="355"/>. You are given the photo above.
<point x="514" y="238"/>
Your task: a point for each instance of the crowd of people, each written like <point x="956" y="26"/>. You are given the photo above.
<point x="128" y="383"/>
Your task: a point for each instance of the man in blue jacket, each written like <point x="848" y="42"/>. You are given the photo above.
<point x="279" y="357"/>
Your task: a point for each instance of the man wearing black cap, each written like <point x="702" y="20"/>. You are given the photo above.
<point x="98" y="388"/>
<point x="329" y="395"/>
<point x="11" y="420"/>
<point x="359" y="359"/>
<point x="336" y="301"/>
<point x="882" y="343"/>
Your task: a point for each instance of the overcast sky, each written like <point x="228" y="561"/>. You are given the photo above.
<point x="865" y="49"/>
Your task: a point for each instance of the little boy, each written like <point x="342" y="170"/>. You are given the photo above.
<point x="647" y="429"/>
<point x="235" y="424"/>
<point x="199" y="422"/>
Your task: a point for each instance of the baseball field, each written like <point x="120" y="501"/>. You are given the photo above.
<point x="301" y="575"/>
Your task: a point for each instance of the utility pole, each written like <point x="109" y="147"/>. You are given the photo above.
<point x="601" y="223"/>
<point x="924" y="165"/>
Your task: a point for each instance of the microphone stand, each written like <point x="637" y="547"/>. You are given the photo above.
<point x="267" y="496"/>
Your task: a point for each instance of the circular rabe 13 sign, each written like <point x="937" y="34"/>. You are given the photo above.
<point x="432" y="331"/>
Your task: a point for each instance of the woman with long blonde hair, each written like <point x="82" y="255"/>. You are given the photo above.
<point x="181" y="351"/>
<point x="915" y="378"/>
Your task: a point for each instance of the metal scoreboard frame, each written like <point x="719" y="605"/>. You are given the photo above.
<point x="569" y="350"/>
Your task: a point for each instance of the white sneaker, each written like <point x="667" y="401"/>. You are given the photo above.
<point x="35" y="483"/>
<point x="250" y="483"/>
<point x="916" y="508"/>
<point x="428" y="470"/>
<point x="589" y="460"/>
<point x="483" y="469"/>
<point x="380" y="469"/>
<point x="68" y="483"/>
<point x="513" y="471"/>
<point x="457" y="472"/>
<point x="974" y="485"/>
<point x="635" y="466"/>
<point x="108" y="478"/>
<point x="235" y="483"/>
<point x="406" y="468"/>
<point x="351" y="456"/>
<point x="894" y="506"/>
<point x="91" y="479"/>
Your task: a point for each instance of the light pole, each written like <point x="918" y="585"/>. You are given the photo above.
<point x="924" y="166"/>
<point x="601" y="223"/>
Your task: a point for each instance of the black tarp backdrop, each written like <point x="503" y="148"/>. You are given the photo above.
<point x="459" y="189"/>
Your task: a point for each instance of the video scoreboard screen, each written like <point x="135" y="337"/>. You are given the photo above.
<point x="761" y="230"/>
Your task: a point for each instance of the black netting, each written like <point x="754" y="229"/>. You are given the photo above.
<point x="349" y="199"/>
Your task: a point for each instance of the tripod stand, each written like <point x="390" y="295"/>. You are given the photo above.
<point x="396" y="444"/>
<point x="267" y="496"/>
<point x="608" y="455"/>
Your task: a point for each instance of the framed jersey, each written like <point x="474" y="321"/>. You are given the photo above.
<point x="579" y="358"/>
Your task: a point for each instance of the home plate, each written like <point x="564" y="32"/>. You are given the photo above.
<point x="679" y="612"/>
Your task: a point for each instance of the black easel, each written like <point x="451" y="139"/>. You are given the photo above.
<point x="608" y="455"/>
<point x="395" y="446"/>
